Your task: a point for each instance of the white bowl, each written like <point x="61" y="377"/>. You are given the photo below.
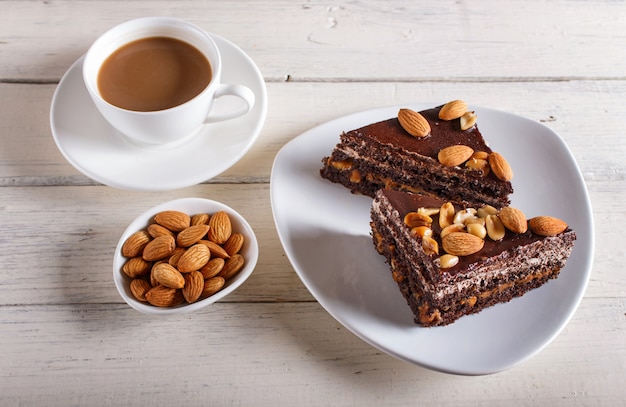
<point x="190" y="206"/>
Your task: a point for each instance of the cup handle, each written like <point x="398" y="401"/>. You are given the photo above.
<point x="240" y="91"/>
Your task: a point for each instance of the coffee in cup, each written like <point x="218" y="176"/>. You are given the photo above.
<point x="154" y="79"/>
<point x="153" y="73"/>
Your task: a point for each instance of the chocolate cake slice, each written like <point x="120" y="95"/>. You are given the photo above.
<point x="452" y="259"/>
<point x="437" y="151"/>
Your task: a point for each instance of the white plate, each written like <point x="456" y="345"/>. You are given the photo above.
<point x="97" y="150"/>
<point x="325" y="232"/>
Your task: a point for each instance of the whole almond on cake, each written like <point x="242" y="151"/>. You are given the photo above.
<point x="547" y="225"/>
<point x="414" y="123"/>
<point x="453" y="110"/>
<point x="513" y="219"/>
<point x="462" y="244"/>
<point x="500" y="167"/>
<point x="455" y="155"/>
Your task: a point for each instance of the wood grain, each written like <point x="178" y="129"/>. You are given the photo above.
<point x="66" y="336"/>
<point x="363" y="41"/>
<point x="585" y="113"/>
<point x="277" y="354"/>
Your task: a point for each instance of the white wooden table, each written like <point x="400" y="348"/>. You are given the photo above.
<point x="66" y="336"/>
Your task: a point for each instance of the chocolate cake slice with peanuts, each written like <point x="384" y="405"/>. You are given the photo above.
<point x="452" y="259"/>
<point x="438" y="152"/>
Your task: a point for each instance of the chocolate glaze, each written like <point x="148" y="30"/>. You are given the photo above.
<point x="405" y="203"/>
<point x="443" y="134"/>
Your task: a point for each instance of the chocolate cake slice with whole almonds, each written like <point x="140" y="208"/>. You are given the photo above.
<point x="438" y="152"/>
<point x="452" y="259"/>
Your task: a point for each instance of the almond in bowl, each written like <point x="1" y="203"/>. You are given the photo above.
<point x="183" y="255"/>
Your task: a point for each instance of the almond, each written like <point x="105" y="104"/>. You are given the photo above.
<point x="191" y="235"/>
<point x="211" y="286"/>
<point x="173" y="220"/>
<point x="156" y="230"/>
<point x="547" y="225"/>
<point x="194" y="285"/>
<point x="153" y="282"/>
<point x="453" y="110"/>
<point x="136" y="267"/>
<point x="454" y="155"/>
<point x="200" y="219"/>
<point x="194" y="258"/>
<point x="139" y="287"/>
<point x="500" y="167"/>
<point x="133" y="246"/>
<point x="162" y="296"/>
<point x="168" y="276"/>
<point x="212" y="268"/>
<point x="159" y="248"/>
<point x="413" y="123"/>
<point x="461" y="244"/>
<point x="220" y="227"/>
<point x="513" y="219"/>
<point x="173" y="259"/>
<point x="215" y="249"/>
<point x="232" y="266"/>
<point x="234" y="244"/>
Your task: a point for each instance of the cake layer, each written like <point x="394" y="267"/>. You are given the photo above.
<point x="385" y="155"/>
<point x="498" y="272"/>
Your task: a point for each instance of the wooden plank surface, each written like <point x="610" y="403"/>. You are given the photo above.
<point x="66" y="249"/>
<point x="585" y="113"/>
<point x="361" y="40"/>
<point x="66" y="336"/>
<point x="277" y="354"/>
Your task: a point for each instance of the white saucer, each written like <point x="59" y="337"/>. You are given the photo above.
<point x="97" y="150"/>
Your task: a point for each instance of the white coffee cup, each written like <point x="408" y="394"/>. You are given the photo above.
<point x="172" y="125"/>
